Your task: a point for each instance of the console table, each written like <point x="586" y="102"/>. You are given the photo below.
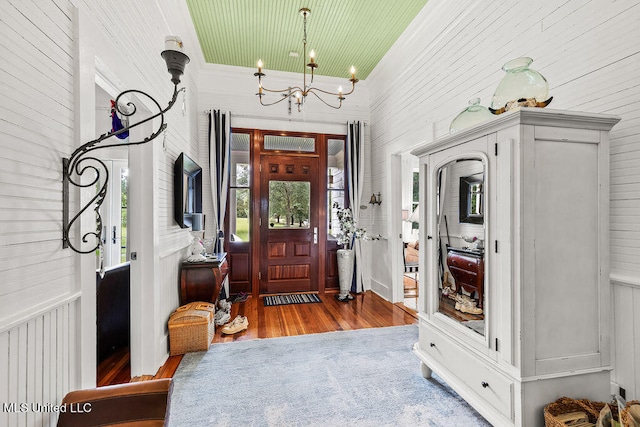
<point x="202" y="281"/>
<point x="467" y="268"/>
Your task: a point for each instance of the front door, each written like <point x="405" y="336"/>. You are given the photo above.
<point x="289" y="222"/>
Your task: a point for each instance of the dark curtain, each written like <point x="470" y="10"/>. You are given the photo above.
<point x="219" y="158"/>
<point x="355" y="164"/>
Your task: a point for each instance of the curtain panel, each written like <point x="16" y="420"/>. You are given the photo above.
<point x="355" y="164"/>
<point x="219" y="158"/>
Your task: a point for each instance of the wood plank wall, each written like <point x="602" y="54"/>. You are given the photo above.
<point x="37" y="366"/>
<point x="587" y="50"/>
<point x="37" y="129"/>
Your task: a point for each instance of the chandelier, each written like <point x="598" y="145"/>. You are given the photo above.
<point x="300" y="93"/>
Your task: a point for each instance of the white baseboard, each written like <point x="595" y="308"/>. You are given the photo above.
<point x="381" y="289"/>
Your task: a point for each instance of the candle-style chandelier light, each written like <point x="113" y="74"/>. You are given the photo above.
<point x="300" y="93"/>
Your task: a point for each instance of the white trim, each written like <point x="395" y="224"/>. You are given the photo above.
<point x="565" y="374"/>
<point x="38" y="310"/>
<point x="624" y="280"/>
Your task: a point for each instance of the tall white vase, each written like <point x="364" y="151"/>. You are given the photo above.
<point x="346" y="259"/>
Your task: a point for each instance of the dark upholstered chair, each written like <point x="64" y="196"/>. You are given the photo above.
<point x="144" y="404"/>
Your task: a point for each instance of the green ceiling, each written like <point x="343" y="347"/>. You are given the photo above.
<point x="342" y="32"/>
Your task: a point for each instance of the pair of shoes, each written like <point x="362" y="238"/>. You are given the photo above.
<point x="446" y="291"/>
<point x="221" y="317"/>
<point x="468" y="307"/>
<point x="224" y="305"/>
<point x="241" y="297"/>
<point x="240" y="323"/>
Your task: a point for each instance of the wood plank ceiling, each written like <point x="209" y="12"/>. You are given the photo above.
<point x="342" y="32"/>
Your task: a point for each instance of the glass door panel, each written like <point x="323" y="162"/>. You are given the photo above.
<point x="289" y="204"/>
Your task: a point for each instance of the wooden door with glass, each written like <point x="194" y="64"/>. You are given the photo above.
<point x="289" y="223"/>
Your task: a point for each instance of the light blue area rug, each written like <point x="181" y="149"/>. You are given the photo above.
<point x="366" y="377"/>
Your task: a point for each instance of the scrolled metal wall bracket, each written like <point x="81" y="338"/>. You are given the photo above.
<point x="75" y="166"/>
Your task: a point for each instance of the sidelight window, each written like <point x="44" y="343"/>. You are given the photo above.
<point x="239" y="189"/>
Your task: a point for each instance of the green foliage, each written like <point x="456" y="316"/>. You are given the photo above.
<point x="289" y="200"/>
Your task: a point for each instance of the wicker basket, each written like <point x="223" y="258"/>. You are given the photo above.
<point x="191" y="328"/>
<point x="625" y="417"/>
<point x="566" y="405"/>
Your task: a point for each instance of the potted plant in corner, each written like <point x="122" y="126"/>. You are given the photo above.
<point x="346" y="257"/>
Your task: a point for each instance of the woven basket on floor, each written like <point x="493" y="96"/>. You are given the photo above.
<point x="191" y="327"/>
<point x="624" y="416"/>
<point x="566" y="405"/>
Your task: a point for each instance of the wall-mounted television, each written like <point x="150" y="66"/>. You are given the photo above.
<point x="187" y="190"/>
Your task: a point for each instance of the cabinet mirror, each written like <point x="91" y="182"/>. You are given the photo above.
<point x="460" y="206"/>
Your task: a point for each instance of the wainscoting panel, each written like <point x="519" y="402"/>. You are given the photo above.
<point x="168" y="299"/>
<point x="36" y="367"/>
<point x="626" y="318"/>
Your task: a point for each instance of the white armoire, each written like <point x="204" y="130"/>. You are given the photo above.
<point x="537" y="214"/>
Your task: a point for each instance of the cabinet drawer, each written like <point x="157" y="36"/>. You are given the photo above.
<point x="465" y="276"/>
<point x="463" y="262"/>
<point x="477" y="374"/>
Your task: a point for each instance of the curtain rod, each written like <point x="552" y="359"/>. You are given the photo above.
<point x="279" y="119"/>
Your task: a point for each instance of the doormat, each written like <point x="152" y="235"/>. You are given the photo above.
<point x="290" y="299"/>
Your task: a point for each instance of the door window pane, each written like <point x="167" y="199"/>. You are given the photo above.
<point x="124" y="192"/>
<point x="289" y="143"/>
<point x="239" y="209"/>
<point x="289" y="204"/>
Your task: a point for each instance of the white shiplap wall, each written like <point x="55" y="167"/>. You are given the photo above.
<point x="587" y="50"/>
<point x="37" y="129"/>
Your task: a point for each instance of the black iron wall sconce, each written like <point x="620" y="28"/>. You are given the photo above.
<point x="79" y="162"/>
<point x="375" y="200"/>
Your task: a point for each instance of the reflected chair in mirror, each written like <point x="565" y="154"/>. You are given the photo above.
<point x="410" y="257"/>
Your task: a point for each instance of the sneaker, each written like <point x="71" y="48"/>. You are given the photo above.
<point x="224" y="305"/>
<point x="221" y="317"/>
<point x="468" y="307"/>
<point x="240" y="323"/>
<point x="471" y="309"/>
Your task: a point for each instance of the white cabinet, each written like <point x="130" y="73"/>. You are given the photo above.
<point x="543" y="330"/>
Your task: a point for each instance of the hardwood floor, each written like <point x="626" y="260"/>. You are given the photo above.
<point x="367" y="310"/>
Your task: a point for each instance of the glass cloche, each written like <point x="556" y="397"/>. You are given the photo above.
<point x="520" y="87"/>
<point x="470" y="116"/>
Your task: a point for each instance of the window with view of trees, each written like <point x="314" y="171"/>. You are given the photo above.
<point x="289" y="204"/>
<point x="239" y="188"/>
